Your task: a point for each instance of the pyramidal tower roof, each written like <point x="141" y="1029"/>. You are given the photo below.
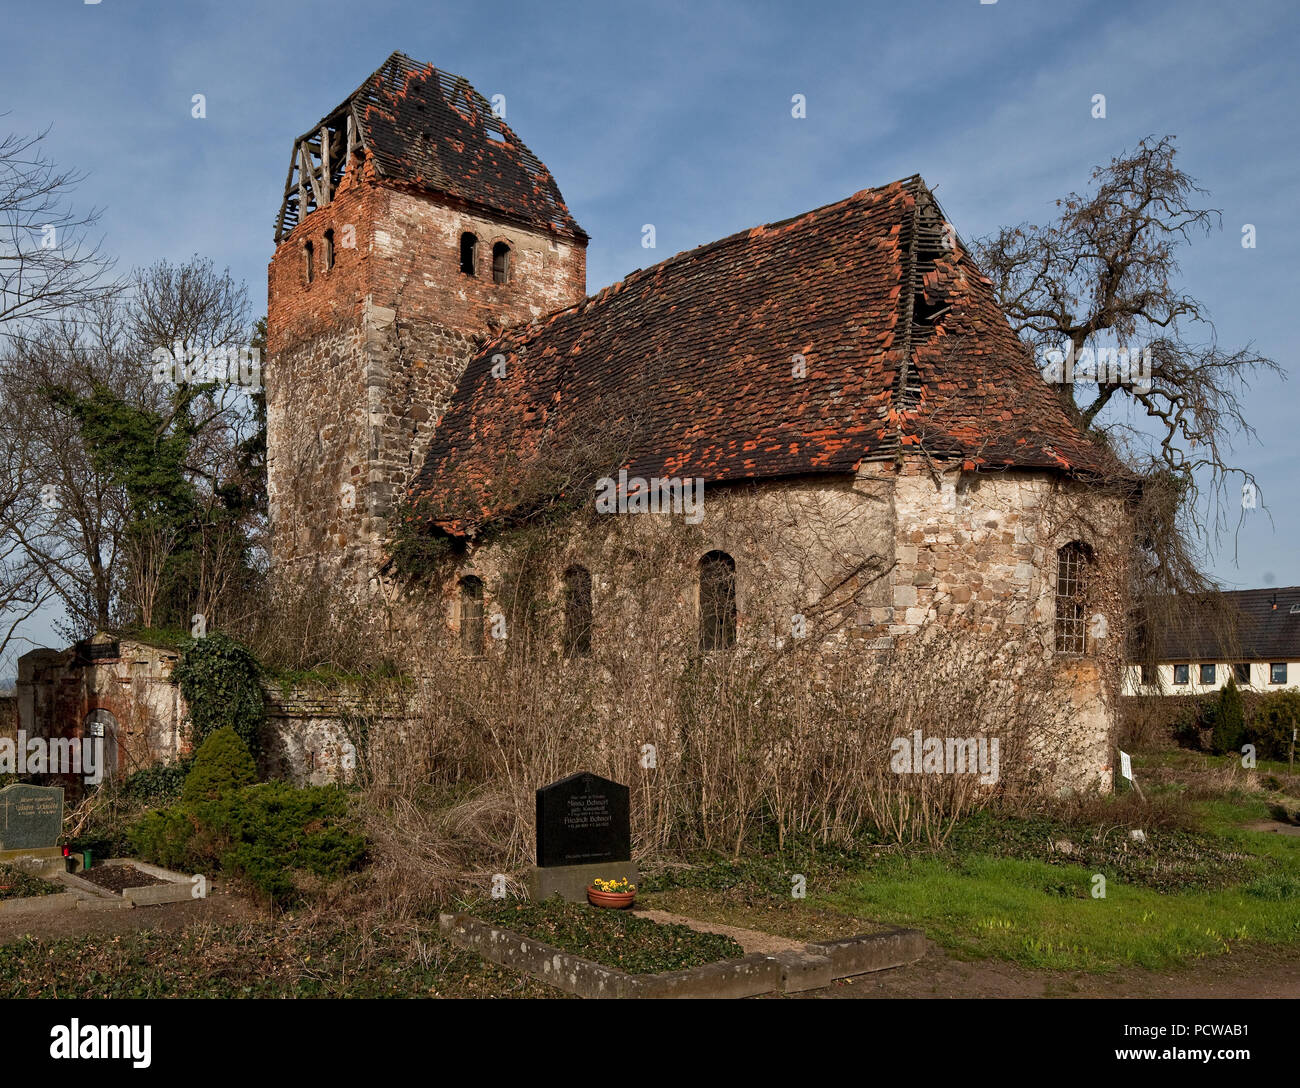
<point x="431" y="129"/>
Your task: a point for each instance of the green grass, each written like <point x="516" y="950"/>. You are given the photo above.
<point x="1001" y="891"/>
<point x="1041" y="915"/>
<point x="163" y="637"/>
<point x="328" y="676"/>
<point x="1184" y="759"/>
<point x="1172" y="859"/>
<point x="1020" y="888"/>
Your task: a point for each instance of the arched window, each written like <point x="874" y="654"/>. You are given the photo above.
<point x="468" y="253"/>
<point x="500" y="263"/>
<point x="308" y="255"/>
<point x="577" y="612"/>
<point x="329" y="250"/>
<point x="471" y="614"/>
<point x="1072" y="565"/>
<point x="717" y="601"/>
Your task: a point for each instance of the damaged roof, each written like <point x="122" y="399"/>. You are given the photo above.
<point x="801" y="347"/>
<point x="431" y="129"/>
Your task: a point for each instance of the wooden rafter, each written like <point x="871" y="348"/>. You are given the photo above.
<point x="310" y="183"/>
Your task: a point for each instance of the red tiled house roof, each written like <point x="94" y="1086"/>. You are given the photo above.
<point x="700" y="349"/>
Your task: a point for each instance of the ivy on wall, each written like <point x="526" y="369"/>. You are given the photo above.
<point x="220" y="679"/>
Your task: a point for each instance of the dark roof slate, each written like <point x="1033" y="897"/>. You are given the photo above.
<point x="1254" y="625"/>
<point x="432" y="129"/>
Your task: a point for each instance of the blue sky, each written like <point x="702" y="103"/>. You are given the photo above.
<point x="680" y="115"/>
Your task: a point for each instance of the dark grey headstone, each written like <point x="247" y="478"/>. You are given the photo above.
<point x="581" y="820"/>
<point x="31" y="817"/>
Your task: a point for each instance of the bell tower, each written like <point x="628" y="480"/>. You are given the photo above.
<point x="414" y="225"/>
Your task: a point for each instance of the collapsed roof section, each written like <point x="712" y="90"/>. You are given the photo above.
<point x="429" y="129"/>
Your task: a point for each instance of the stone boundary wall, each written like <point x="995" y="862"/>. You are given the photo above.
<point x="309" y="736"/>
<point x="312" y="733"/>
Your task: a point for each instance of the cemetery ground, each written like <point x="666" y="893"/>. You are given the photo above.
<point x="1207" y="905"/>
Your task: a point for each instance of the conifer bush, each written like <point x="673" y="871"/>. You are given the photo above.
<point x="1230" y="721"/>
<point x="222" y="764"/>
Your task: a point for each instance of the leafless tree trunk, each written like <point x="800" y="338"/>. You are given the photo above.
<point x="147" y="549"/>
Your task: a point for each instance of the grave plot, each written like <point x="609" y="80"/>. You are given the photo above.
<point x="15" y="883"/>
<point x="136" y="883"/>
<point x="584" y="855"/>
<point x="33" y="869"/>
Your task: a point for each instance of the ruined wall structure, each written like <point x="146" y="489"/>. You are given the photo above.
<point x="365" y="351"/>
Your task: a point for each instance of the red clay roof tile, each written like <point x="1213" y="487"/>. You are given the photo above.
<point x="702" y="347"/>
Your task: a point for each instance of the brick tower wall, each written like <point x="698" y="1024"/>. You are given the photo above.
<point x="363" y="360"/>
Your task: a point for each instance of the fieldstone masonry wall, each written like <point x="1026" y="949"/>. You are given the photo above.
<point x="364" y="358"/>
<point x="863" y="563"/>
<point x="987" y="543"/>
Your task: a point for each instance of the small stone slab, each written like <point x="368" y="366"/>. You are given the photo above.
<point x="40" y="904"/>
<point x="570" y="882"/>
<point x="158" y="893"/>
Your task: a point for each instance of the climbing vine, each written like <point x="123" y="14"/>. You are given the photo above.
<point x="220" y="680"/>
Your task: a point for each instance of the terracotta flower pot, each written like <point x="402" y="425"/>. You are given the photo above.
<point x="614" y="900"/>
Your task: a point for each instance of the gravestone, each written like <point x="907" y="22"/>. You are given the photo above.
<point x="583" y="819"/>
<point x="31" y="818"/>
<point x="583" y="832"/>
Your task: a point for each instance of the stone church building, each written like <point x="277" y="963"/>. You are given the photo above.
<point x="835" y="422"/>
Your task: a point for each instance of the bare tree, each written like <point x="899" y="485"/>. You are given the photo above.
<point x="48" y="265"/>
<point x="147" y="548"/>
<point x="22" y="589"/>
<point x="47" y="262"/>
<point x="109" y="554"/>
<point x="1103" y="275"/>
<point x="74" y="536"/>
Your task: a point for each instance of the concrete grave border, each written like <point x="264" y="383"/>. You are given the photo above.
<point x="84" y="895"/>
<point x="177" y="889"/>
<point x="818" y="964"/>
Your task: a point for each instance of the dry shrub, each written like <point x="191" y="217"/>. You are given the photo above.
<point x="1146" y="722"/>
<point x="1162" y="811"/>
<point x="296" y="627"/>
<point x="792" y="735"/>
<point x="740" y="742"/>
<point x="1224" y="779"/>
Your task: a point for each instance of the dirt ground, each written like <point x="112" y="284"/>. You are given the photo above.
<point x="218" y="908"/>
<point x="748" y="939"/>
<point x="1258" y="972"/>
